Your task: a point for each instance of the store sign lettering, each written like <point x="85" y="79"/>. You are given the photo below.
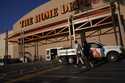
<point x="69" y="7"/>
<point x="95" y="1"/>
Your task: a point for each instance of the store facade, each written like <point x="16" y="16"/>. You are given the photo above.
<point x="47" y="26"/>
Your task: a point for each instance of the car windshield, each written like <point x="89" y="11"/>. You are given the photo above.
<point x="95" y="45"/>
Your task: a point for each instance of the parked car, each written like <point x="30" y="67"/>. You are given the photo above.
<point x="1" y="62"/>
<point x="98" y="51"/>
<point x="111" y="53"/>
<point x="8" y="60"/>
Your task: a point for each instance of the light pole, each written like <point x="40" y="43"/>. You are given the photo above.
<point x="71" y="29"/>
<point x="6" y="43"/>
<point x="22" y="45"/>
<point x="120" y="26"/>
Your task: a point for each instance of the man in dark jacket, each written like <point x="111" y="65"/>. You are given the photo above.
<point x="81" y="56"/>
<point x="87" y="52"/>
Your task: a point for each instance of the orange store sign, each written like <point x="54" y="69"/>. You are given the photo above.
<point x="54" y="12"/>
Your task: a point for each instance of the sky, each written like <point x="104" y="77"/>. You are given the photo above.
<point x="12" y="10"/>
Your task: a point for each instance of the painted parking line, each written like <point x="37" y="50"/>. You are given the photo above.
<point x="77" y="77"/>
<point x="33" y="75"/>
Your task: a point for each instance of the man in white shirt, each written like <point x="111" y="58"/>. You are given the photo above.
<point x="78" y="53"/>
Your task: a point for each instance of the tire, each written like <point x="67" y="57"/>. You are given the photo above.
<point x="72" y="60"/>
<point x="113" y="56"/>
<point x="64" y="60"/>
<point x="91" y="64"/>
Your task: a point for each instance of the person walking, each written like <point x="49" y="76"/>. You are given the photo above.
<point x="78" y="53"/>
<point x="81" y="58"/>
<point x="87" y="52"/>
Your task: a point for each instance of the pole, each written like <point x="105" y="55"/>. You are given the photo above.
<point x="113" y="9"/>
<point x="6" y="43"/>
<point x="71" y="29"/>
<point x="22" y="45"/>
<point x="36" y="50"/>
<point x="82" y="37"/>
<point x="120" y="26"/>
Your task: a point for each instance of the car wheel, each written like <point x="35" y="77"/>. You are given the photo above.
<point x="113" y="56"/>
<point x="91" y="63"/>
<point x="64" y="60"/>
<point x="71" y="60"/>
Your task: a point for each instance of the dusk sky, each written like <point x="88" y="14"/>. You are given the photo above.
<point x="12" y="10"/>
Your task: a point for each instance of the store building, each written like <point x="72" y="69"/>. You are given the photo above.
<point x="47" y="26"/>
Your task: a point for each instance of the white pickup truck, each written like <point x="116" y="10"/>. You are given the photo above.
<point x="99" y="51"/>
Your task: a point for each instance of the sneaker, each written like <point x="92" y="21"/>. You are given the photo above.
<point x="91" y="65"/>
<point x="75" y="65"/>
<point x="83" y="67"/>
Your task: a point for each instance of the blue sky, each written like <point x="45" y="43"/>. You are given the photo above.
<point x="12" y="10"/>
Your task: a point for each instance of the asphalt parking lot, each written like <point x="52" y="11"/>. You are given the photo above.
<point x="51" y="73"/>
